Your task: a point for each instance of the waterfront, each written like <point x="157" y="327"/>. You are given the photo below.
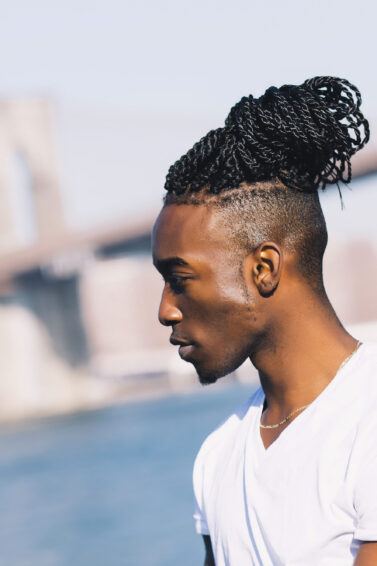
<point x="110" y="487"/>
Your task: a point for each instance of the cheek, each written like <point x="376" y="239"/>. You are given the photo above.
<point x="218" y="317"/>
<point x="228" y="300"/>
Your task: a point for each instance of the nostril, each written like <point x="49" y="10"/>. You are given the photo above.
<point x="163" y="321"/>
<point x="170" y="320"/>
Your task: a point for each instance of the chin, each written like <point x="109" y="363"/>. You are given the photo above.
<point x="208" y="375"/>
<point x="207" y="379"/>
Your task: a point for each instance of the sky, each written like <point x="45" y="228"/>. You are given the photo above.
<point x="135" y="84"/>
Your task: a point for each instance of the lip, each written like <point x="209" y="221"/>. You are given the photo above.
<point x="185" y="351"/>
<point x="178" y="342"/>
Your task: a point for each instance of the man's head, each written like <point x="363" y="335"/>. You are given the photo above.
<point x="241" y="235"/>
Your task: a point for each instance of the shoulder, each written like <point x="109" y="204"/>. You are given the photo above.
<point x="367" y="372"/>
<point x="225" y="434"/>
<point x="230" y="425"/>
<point x="365" y="401"/>
<point x="368" y="353"/>
<point x="363" y="462"/>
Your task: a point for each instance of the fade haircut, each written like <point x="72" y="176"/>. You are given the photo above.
<point x="263" y="169"/>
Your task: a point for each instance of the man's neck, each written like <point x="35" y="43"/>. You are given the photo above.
<point x="301" y="358"/>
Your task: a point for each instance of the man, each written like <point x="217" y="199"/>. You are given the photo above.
<point x="290" y="478"/>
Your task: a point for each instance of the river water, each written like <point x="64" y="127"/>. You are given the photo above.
<point x="108" y="488"/>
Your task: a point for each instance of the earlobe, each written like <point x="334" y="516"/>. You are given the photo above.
<point x="267" y="288"/>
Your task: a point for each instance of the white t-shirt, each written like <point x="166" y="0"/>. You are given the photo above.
<point x="311" y="496"/>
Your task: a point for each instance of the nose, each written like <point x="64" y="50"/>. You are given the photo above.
<point x="168" y="313"/>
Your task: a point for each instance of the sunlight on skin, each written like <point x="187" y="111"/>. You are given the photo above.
<point x="367" y="555"/>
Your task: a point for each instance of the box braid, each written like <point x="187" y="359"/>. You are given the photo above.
<point x="303" y="135"/>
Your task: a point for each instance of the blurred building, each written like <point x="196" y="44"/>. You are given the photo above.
<point x="78" y="310"/>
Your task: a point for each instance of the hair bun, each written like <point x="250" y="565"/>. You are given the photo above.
<point x="305" y="134"/>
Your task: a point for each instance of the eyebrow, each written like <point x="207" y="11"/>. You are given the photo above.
<point x="170" y="262"/>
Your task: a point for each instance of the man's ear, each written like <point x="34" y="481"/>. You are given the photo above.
<point x="263" y="267"/>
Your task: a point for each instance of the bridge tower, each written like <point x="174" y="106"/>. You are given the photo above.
<point x="30" y="204"/>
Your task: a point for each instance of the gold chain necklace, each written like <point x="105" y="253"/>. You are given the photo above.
<point x="304" y="406"/>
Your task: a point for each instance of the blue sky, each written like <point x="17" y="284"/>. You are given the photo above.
<point x="136" y="83"/>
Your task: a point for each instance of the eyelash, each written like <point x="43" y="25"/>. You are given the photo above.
<point x="176" y="283"/>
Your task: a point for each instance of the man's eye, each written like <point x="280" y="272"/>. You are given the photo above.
<point x="177" y="284"/>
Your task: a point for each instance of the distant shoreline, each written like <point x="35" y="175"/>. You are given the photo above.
<point x="142" y="394"/>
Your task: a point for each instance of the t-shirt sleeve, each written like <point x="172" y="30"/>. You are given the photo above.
<point x="199" y="515"/>
<point x="366" y="482"/>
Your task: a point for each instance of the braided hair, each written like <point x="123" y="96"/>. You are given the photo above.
<point x="263" y="169"/>
<point x="303" y="135"/>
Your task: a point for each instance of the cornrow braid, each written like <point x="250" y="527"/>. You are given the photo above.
<point x="301" y="135"/>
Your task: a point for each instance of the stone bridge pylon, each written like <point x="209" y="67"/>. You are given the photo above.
<point x="30" y="202"/>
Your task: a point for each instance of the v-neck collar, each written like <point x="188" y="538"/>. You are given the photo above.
<point x="305" y="414"/>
